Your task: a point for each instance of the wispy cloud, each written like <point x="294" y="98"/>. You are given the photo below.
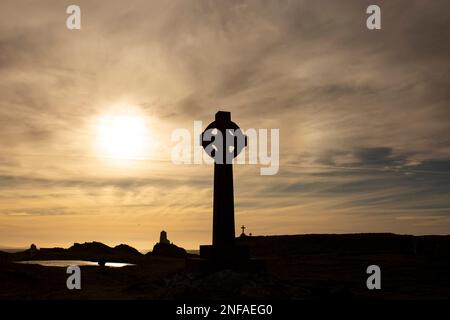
<point x="363" y="115"/>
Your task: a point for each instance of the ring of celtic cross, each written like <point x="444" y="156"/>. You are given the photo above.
<point x="223" y="141"/>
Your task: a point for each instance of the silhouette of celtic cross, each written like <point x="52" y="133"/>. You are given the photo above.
<point x="223" y="140"/>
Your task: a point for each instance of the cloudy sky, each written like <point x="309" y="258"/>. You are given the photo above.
<point x="364" y="117"/>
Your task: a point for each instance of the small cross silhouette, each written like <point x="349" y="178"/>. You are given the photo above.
<point x="243" y="228"/>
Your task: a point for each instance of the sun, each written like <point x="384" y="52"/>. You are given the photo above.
<point x="122" y="136"/>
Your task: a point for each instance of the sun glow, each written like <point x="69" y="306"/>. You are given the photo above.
<point x="123" y="136"/>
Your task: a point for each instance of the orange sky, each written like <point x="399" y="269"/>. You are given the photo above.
<point x="363" y="118"/>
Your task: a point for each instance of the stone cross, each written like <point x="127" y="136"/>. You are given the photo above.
<point x="223" y="140"/>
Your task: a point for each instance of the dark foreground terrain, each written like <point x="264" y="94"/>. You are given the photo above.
<point x="298" y="267"/>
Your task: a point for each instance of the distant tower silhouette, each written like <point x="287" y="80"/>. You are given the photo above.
<point x="163" y="238"/>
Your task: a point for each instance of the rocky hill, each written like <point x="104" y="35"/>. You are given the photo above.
<point x="91" y="251"/>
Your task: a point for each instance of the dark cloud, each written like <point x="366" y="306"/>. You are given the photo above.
<point x="374" y="156"/>
<point x="434" y="165"/>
